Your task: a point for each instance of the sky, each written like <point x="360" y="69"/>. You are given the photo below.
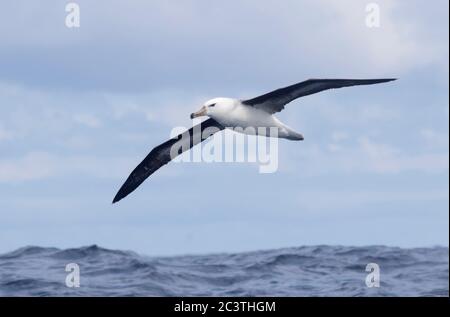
<point x="81" y="107"/>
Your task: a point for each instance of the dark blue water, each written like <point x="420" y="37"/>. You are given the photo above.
<point x="302" y="271"/>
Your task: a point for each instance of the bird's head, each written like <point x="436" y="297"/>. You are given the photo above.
<point x="215" y="108"/>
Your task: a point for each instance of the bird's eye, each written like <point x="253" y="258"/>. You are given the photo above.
<point x="212" y="105"/>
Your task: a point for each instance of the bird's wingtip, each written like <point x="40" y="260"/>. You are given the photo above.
<point x="385" y="80"/>
<point x="116" y="198"/>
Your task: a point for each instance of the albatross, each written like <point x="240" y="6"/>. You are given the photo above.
<point x="233" y="113"/>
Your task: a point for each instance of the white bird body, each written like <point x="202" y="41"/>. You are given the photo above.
<point x="233" y="114"/>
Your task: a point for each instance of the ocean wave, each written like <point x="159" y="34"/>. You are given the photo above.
<point x="302" y="271"/>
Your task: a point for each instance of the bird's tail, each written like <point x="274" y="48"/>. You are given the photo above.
<point x="294" y="136"/>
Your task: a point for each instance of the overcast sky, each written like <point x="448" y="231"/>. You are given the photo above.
<point x="80" y="107"/>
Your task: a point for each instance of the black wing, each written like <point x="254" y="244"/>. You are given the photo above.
<point x="276" y="100"/>
<point x="165" y="152"/>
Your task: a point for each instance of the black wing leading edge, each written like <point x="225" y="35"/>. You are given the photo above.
<point x="165" y="152"/>
<point x="276" y="100"/>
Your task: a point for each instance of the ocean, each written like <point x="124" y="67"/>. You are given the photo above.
<point x="298" y="271"/>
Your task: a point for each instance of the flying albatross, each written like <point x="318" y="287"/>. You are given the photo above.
<point x="234" y="113"/>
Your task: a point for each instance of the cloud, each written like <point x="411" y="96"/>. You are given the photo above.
<point x="149" y="46"/>
<point x="363" y="155"/>
<point x="88" y="120"/>
<point x="5" y="135"/>
<point x="361" y="113"/>
<point x="342" y="200"/>
<point x="435" y="138"/>
<point x="171" y="107"/>
<point x="31" y="167"/>
<point x="43" y="165"/>
<point x="383" y="158"/>
<point x="338" y="136"/>
<point x="397" y="46"/>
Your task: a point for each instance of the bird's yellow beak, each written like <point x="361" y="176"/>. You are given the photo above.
<point x="201" y="112"/>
